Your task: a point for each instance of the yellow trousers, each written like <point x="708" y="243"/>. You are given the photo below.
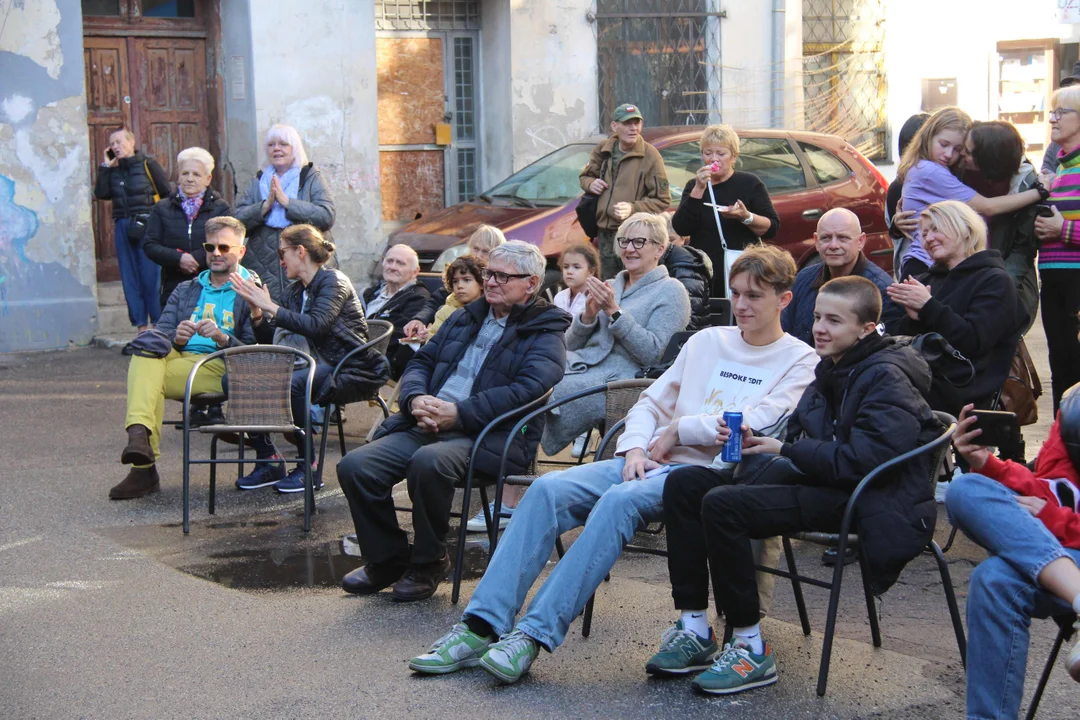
<point x="152" y="380"/>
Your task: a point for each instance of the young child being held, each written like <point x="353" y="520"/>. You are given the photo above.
<point x="463" y="281"/>
<point x="578" y="262"/>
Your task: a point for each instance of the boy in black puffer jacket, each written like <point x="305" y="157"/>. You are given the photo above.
<point x="865" y="407"/>
<point x="693" y="268"/>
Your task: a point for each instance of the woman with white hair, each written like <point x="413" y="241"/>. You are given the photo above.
<point x="175" y="232"/>
<point x="287" y="191"/>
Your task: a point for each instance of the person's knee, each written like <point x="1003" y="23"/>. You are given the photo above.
<point x="625" y="501"/>
<point x="721" y="504"/>
<point x="434" y="459"/>
<point x="965" y="495"/>
<point x="356" y="468"/>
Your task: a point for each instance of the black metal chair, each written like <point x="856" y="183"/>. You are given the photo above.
<point x="379" y="332"/>
<point x="1065" y="631"/>
<point x="841" y="540"/>
<point x="720" y="312"/>
<point x="260" y="386"/>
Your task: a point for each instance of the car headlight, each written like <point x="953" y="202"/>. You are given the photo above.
<point x="448" y="256"/>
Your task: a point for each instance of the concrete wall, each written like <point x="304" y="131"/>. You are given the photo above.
<point x="314" y="68"/>
<point x="47" y="270"/>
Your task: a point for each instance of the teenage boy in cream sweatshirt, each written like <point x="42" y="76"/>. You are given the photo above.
<point x="754" y="368"/>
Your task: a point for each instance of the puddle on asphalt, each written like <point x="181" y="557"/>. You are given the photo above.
<point x="321" y="566"/>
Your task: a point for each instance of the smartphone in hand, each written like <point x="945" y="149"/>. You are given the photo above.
<point x="110" y="154"/>
<point x="998" y="428"/>
<point x="1044" y="210"/>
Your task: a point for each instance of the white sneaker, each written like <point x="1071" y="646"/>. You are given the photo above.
<point x="1072" y="662"/>
<point x="478" y="524"/>
<point x="579" y="445"/>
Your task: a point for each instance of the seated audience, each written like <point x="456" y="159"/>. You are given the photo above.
<point x="693" y="268"/>
<point x="966" y="297"/>
<point x="626" y="325"/>
<point x="176" y="231"/>
<point x="839" y="241"/>
<point x="494" y="356"/>
<point x="864" y="407"/>
<point x="464" y="282"/>
<point x="754" y="368"/>
<point x="1029" y="523"/>
<point x="396" y="299"/>
<point x="288" y="190"/>
<point x="483" y="240"/>
<point x="578" y="263"/>
<point x="320" y="315"/>
<point x="202" y="316"/>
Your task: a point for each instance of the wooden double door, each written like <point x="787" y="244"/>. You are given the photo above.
<point x="155" y="86"/>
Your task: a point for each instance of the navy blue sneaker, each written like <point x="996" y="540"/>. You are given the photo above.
<point x="264" y="474"/>
<point x="294" y="481"/>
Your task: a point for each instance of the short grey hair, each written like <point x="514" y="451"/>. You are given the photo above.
<point x="217" y="224"/>
<point x="525" y="257"/>
<point x="288" y="134"/>
<point x="411" y="253"/>
<point x="197" y="154"/>
<point x="128" y="135"/>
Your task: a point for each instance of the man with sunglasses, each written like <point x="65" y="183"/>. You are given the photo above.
<point x="203" y="315"/>
<point x="492" y="356"/>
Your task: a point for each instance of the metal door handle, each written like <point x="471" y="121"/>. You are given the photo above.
<point x="810" y="214"/>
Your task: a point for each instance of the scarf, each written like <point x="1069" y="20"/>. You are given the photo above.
<point x="191" y="205"/>
<point x="290" y="183"/>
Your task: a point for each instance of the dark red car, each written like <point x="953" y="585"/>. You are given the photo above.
<point x="805" y="173"/>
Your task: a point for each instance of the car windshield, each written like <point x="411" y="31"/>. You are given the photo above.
<point x="549" y="182"/>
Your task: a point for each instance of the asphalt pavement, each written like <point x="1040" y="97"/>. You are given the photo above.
<point x="108" y="611"/>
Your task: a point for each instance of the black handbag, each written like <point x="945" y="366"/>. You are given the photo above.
<point x="587" y="207"/>
<point x="945" y="361"/>
<point x="137" y="227"/>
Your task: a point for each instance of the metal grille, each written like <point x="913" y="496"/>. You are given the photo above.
<point x="427" y="14"/>
<point x="463" y="88"/>
<point x="662" y="55"/>
<point x="466" y="180"/>
<point x="843" y="72"/>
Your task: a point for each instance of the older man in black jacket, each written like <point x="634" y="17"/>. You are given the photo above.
<point x="397" y="299"/>
<point x="492" y="356"/>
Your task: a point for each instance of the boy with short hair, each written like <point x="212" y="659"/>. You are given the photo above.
<point x="864" y="407"/>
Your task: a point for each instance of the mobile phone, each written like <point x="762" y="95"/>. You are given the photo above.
<point x="110" y="154"/>
<point x="998" y="428"/>
<point x="1044" y="210"/>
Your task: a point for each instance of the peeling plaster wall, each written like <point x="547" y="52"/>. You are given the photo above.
<point x="47" y="265"/>
<point x="313" y="64"/>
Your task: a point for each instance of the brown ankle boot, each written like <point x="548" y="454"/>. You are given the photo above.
<point x="138" y="450"/>
<point x="139" y="482"/>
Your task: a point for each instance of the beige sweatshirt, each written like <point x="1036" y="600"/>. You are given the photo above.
<point x="717" y="371"/>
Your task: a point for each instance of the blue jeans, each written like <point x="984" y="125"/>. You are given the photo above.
<point x="140" y="277"/>
<point x="1003" y="594"/>
<point x="592" y="495"/>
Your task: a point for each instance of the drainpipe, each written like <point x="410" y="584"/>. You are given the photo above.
<point x="779" y="27"/>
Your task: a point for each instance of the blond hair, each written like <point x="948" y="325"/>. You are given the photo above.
<point x="487" y="237"/>
<point x="947" y="118"/>
<point x="722" y="135"/>
<point x="655" y="229"/>
<point x="768" y="265"/>
<point x="1066" y="97"/>
<point x="956" y="220"/>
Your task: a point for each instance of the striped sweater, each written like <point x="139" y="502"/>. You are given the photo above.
<point x="1064" y="253"/>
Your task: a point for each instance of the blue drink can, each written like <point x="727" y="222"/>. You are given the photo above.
<point x="732" y="451"/>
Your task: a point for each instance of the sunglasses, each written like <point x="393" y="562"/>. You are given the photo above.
<point x="223" y="249"/>
<point x="638" y="243"/>
<point x="282" y="250"/>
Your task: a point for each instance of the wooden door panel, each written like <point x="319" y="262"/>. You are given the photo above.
<point x="412" y="182"/>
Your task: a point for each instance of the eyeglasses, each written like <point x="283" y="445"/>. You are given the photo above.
<point x="501" y="278"/>
<point x="223" y="249"/>
<point x="638" y="243"/>
<point x="282" y="250"/>
<point x="1057" y="113"/>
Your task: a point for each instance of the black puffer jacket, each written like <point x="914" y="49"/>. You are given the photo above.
<point x="169" y="235"/>
<point x="333" y="322"/>
<point x="399" y="310"/>
<point x="693" y="268"/>
<point x="313" y="205"/>
<point x="976" y="308"/>
<point x="129" y="187"/>
<point x="527" y="361"/>
<point x="856" y="415"/>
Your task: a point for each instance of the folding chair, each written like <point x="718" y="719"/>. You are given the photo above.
<point x="379" y="331"/>
<point x="1065" y="631"/>
<point x="937" y="450"/>
<point x="260" y="386"/>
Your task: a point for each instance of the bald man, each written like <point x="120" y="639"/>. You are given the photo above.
<point x="839" y="240"/>
<point x="397" y="299"/>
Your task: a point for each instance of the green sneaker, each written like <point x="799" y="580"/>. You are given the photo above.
<point x="511" y="657"/>
<point x="458" y="649"/>
<point x="682" y="651"/>
<point x="737" y="669"/>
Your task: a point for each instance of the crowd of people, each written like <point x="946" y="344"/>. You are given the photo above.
<point x="823" y="364"/>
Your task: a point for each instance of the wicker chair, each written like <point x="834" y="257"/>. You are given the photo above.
<point x="260" y="384"/>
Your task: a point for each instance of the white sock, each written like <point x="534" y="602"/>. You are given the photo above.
<point x="1076" y="604"/>
<point x="697" y="622"/>
<point x="752" y="637"/>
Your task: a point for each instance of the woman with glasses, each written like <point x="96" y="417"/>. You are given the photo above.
<point x="176" y="230"/>
<point x="321" y="315"/>
<point x="1059" y="253"/>
<point x="745" y="210"/>
<point x="626" y="325"/>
